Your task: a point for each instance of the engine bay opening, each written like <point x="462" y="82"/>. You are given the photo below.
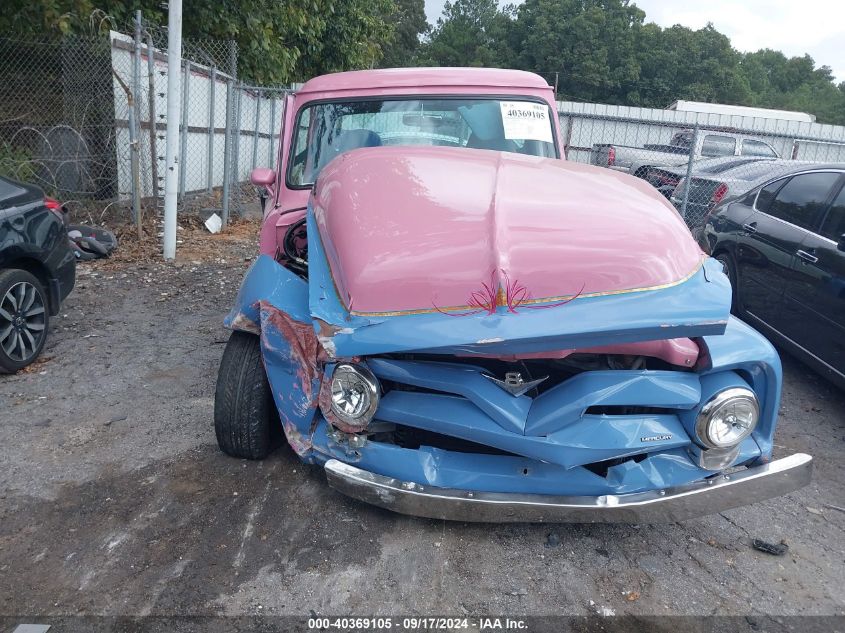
<point x="293" y="251"/>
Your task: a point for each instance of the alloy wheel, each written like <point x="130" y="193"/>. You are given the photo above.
<point x="22" y="321"/>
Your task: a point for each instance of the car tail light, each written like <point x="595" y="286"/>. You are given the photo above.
<point x="55" y="206"/>
<point x="611" y="156"/>
<point x="662" y="179"/>
<point x="720" y="193"/>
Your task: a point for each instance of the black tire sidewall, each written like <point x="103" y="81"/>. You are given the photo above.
<point x="246" y="422"/>
<point x="8" y="278"/>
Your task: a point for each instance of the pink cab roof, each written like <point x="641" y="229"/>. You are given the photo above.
<point x="423" y="79"/>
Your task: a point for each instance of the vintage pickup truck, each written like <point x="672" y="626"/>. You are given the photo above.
<point x="455" y="323"/>
<point x="682" y="147"/>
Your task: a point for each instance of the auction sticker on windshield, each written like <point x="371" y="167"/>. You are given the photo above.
<point x="526" y="121"/>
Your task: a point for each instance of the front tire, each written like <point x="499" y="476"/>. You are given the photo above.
<point x="24" y="319"/>
<point x="245" y="419"/>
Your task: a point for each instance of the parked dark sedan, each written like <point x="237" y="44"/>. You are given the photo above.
<point x="37" y="271"/>
<point x="783" y="246"/>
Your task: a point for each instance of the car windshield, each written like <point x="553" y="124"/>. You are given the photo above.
<point x="326" y="130"/>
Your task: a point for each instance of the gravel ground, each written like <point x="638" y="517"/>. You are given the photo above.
<point x="115" y="500"/>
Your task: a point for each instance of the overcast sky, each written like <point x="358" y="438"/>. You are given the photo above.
<point x="795" y="27"/>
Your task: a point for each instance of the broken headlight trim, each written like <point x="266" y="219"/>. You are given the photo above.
<point x="727" y="418"/>
<point x="354" y="396"/>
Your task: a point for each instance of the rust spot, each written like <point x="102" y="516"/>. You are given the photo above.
<point x="243" y="323"/>
<point x="326" y="329"/>
<point x="305" y="350"/>
<point x="298" y="442"/>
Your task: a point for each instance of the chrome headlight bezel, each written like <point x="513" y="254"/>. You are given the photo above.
<point x="709" y="412"/>
<point x="367" y="388"/>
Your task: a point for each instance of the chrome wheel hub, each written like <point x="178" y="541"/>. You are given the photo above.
<point x="23" y="321"/>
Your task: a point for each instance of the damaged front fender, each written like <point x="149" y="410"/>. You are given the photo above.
<point x="273" y="303"/>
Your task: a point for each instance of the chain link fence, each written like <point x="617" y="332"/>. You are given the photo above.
<point x="695" y="160"/>
<point x="57" y="117"/>
<point x="85" y="119"/>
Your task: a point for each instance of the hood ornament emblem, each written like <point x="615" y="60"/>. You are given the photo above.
<point x="514" y="384"/>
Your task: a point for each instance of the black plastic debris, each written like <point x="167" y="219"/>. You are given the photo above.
<point x="775" y="549"/>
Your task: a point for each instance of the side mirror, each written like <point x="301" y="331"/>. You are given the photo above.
<point x="841" y="244"/>
<point x="262" y="176"/>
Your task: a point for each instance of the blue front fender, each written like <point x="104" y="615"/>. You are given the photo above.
<point x="273" y="302"/>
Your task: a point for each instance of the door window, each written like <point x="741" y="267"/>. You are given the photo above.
<point x="802" y="200"/>
<point x="717" y="145"/>
<point x="767" y="194"/>
<point x="833" y="227"/>
<point x="750" y="147"/>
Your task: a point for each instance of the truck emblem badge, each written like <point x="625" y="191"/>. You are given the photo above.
<point x="656" y="438"/>
<point x="514" y="384"/>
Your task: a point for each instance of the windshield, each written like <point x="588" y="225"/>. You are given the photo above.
<point x="326" y="130"/>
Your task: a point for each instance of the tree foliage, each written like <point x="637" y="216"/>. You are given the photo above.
<point x="410" y="22"/>
<point x="470" y="33"/>
<point x="606" y="51"/>
<point x="278" y="41"/>
<point x="599" y="50"/>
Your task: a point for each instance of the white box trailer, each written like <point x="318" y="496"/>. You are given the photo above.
<point x="735" y="110"/>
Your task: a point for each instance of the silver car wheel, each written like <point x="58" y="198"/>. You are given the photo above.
<point x="22" y="321"/>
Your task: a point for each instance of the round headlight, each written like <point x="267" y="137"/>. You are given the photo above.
<point x="354" y="395"/>
<point x="727" y="418"/>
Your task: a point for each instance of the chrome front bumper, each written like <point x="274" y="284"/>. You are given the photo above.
<point x="660" y="506"/>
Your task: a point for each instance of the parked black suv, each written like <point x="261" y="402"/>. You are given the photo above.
<point x="37" y="271"/>
<point x="783" y="246"/>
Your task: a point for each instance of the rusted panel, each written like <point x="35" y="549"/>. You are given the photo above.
<point x="305" y="350"/>
<point x="241" y="322"/>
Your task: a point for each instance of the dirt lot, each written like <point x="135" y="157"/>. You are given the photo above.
<point x="114" y="498"/>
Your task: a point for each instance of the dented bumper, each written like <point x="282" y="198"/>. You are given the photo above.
<point x="574" y="452"/>
<point x="716" y="494"/>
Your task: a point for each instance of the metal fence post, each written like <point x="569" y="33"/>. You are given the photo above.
<point x="236" y="163"/>
<point x="255" y="127"/>
<point x="233" y="59"/>
<point x="134" y="112"/>
<point x="210" y="157"/>
<point x="183" y="144"/>
<point x="227" y="151"/>
<point x="136" y="87"/>
<point x="270" y="141"/>
<point x="151" y="110"/>
<point x="688" y="177"/>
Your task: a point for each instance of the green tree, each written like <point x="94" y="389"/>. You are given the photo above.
<point x="469" y="33"/>
<point x="410" y="22"/>
<point x="591" y="44"/>
<point x="681" y="63"/>
<point x="795" y="83"/>
<point x="278" y="42"/>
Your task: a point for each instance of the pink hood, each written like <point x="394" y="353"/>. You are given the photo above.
<point x="421" y="229"/>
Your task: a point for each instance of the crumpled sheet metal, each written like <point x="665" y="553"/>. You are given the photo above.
<point x="697" y="307"/>
<point x="508" y="473"/>
<point x="273" y="302"/>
